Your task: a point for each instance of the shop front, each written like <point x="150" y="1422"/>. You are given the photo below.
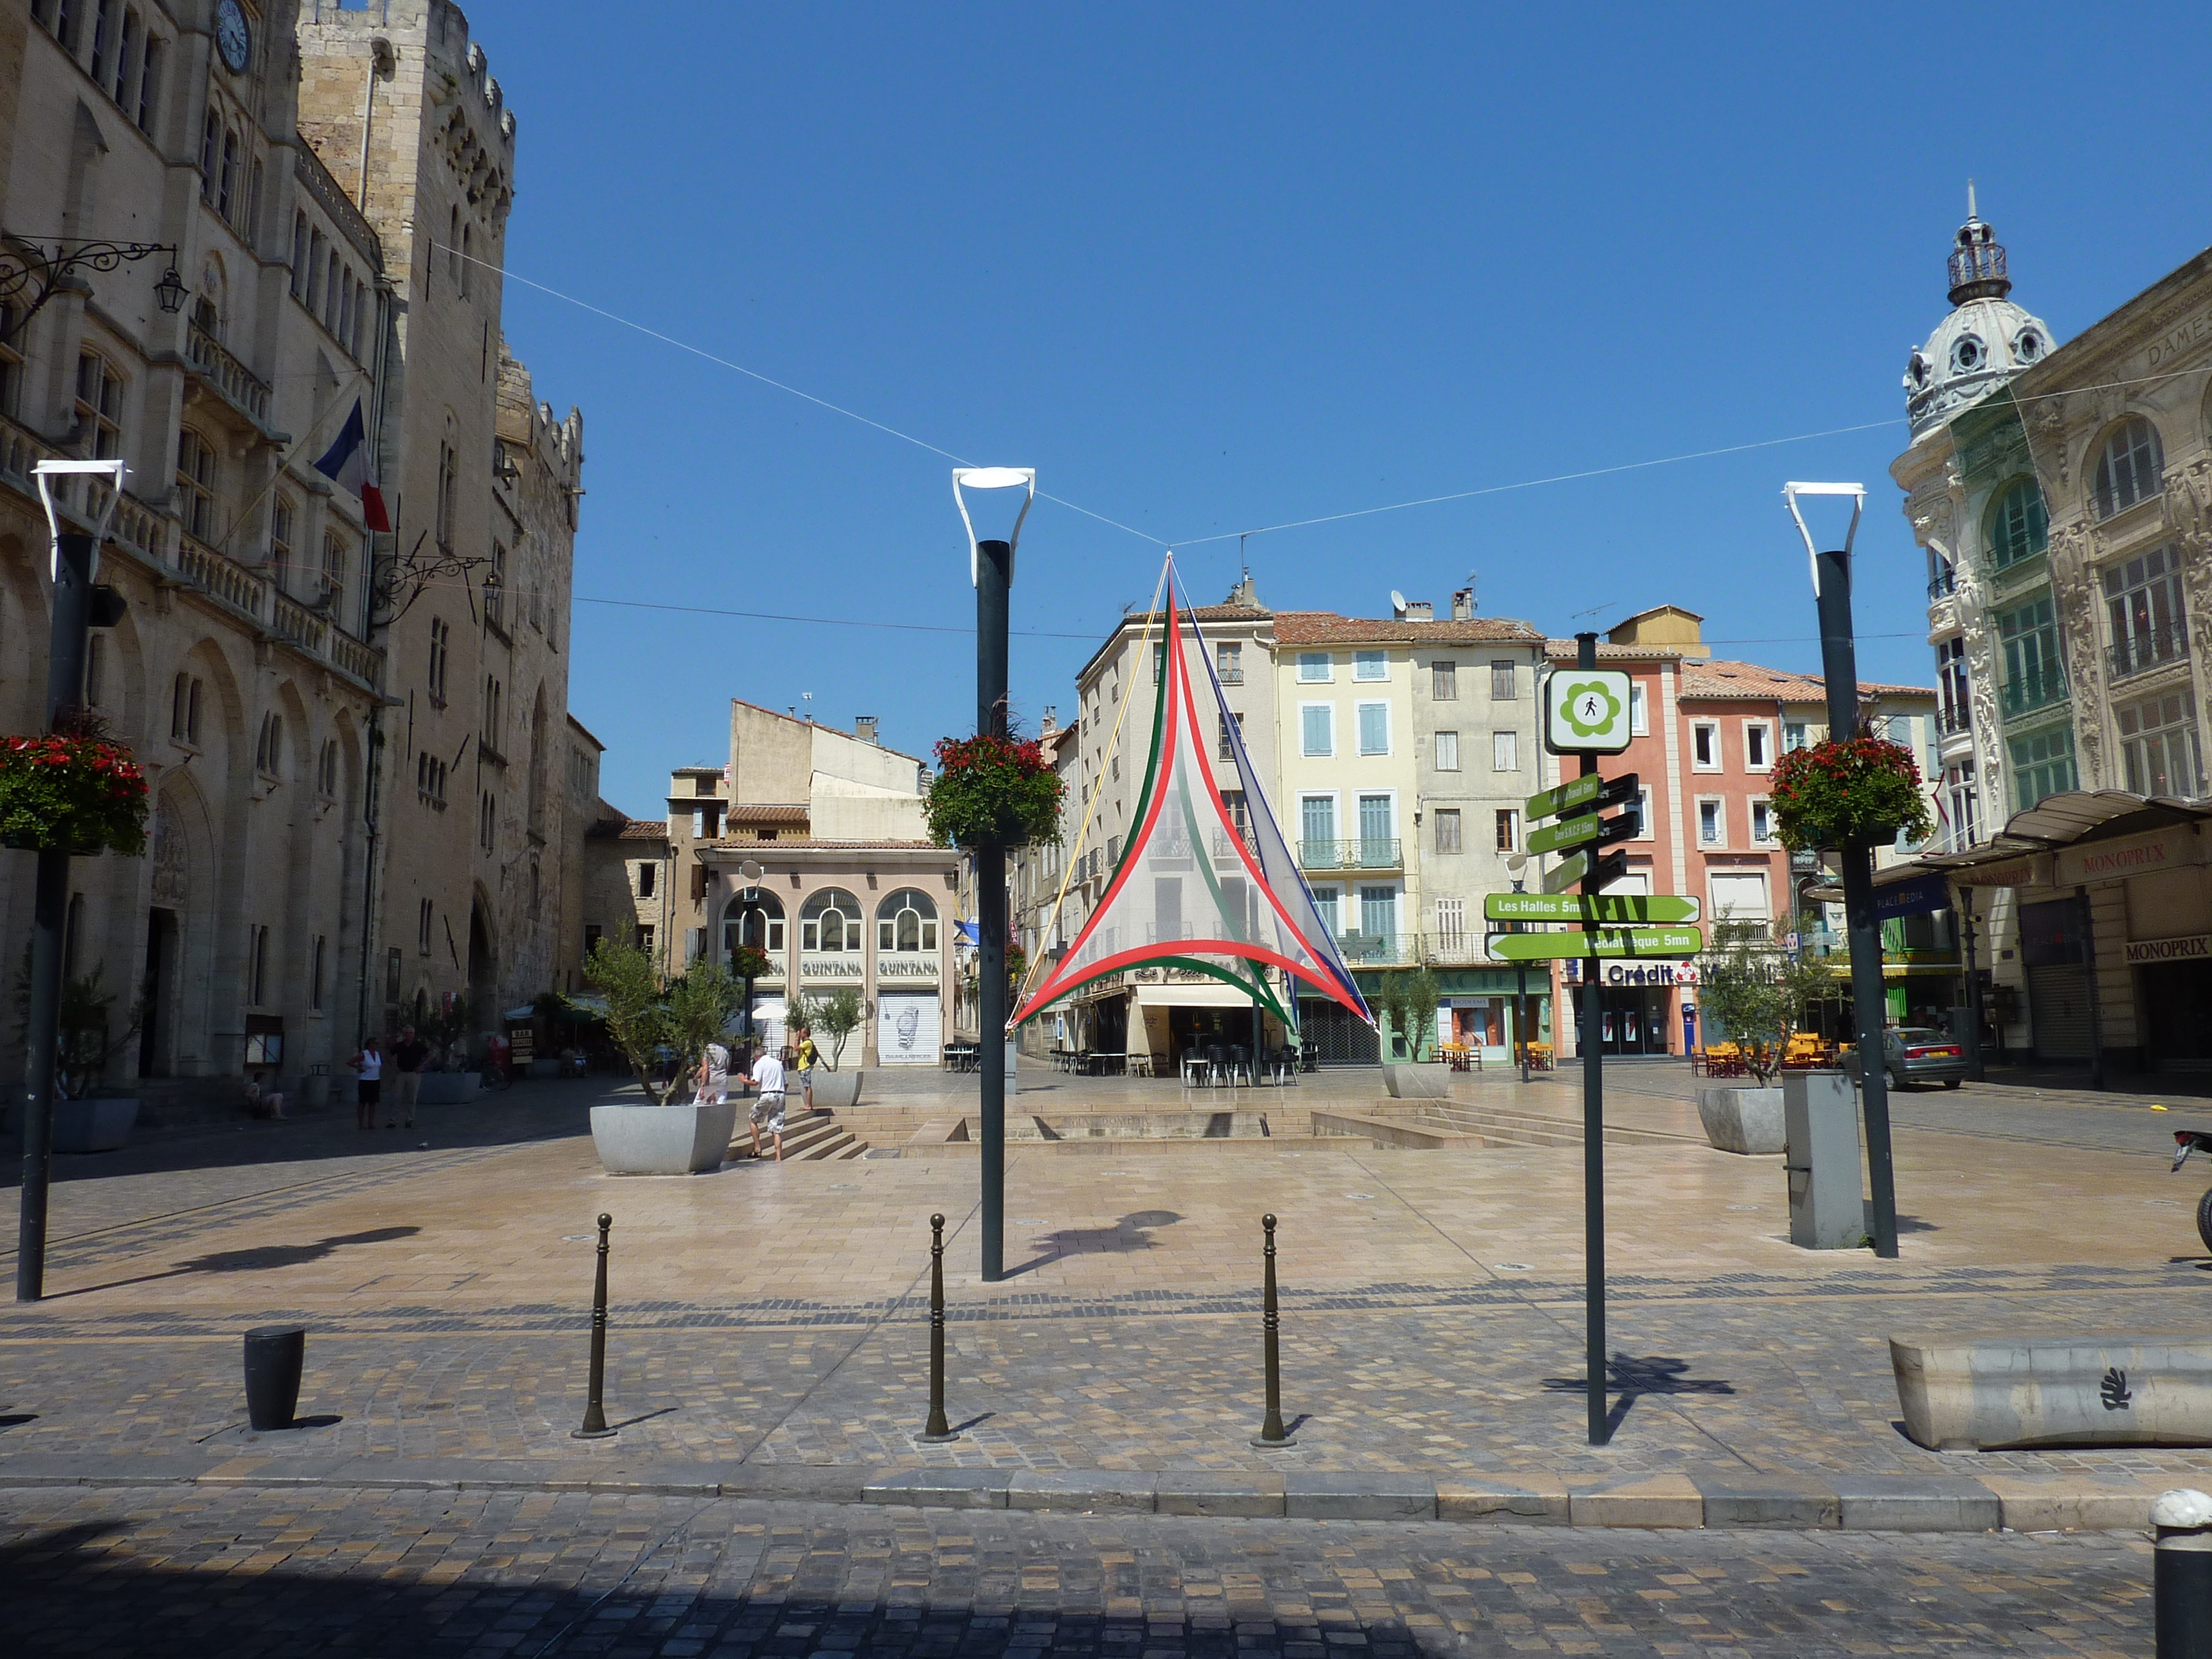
<point x="1641" y="1004"/>
<point x="1483" y="1009"/>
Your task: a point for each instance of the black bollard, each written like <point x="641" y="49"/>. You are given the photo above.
<point x="1271" y="1436"/>
<point x="938" y="1431"/>
<point x="2181" y="1575"/>
<point x="595" y="1417"/>
<point x="274" y="1356"/>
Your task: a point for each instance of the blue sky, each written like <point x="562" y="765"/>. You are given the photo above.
<point x="1210" y="267"/>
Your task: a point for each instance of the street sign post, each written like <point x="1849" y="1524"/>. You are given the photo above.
<point x="1583" y="792"/>
<point x="1618" y="908"/>
<point x="1674" y="943"/>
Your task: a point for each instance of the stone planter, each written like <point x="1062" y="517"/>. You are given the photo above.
<point x="837" y="1090"/>
<point x="1743" y="1120"/>
<point x="1427" y="1081"/>
<point x="1969" y="1394"/>
<point x="663" y="1139"/>
<point x="447" y="1088"/>
<point x="92" y="1126"/>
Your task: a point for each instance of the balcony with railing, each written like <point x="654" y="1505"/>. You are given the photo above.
<point x="1379" y="950"/>
<point x="1370" y="853"/>
<point x="2030" y="692"/>
<point x="1942" y="584"/>
<point x="1959" y="717"/>
<point x="2140" y="653"/>
<point x="247" y="391"/>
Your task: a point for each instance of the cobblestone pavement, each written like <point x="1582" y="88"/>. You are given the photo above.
<point x="773" y="1313"/>
<point x="257" y="1571"/>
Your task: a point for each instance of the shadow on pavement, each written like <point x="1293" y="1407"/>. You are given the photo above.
<point x="257" y="1259"/>
<point x="1131" y="1232"/>
<point x="1632" y="1378"/>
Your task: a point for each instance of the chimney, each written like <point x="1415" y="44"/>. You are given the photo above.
<point x="1051" y="720"/>
<point x="864" y="728"/>
<point x="1419" y="611"/>
<point x="1463" y="605"/>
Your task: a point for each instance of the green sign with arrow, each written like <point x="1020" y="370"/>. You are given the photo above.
<point x="1617" y="908"/>
<point x="1566" y="872"/>
<point x="1565" y="797"/>
<point x="1607" y="942"/>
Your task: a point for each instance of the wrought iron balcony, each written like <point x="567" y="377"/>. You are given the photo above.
<point x="1379" y="950"/>
<point x="2138" y="653"/>
<point x="1943" y="586"/>
<point x="1371" y="852"/>
<point x="2033" y="691"/>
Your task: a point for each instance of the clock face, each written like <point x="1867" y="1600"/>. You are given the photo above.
<point x="234" y="38"/>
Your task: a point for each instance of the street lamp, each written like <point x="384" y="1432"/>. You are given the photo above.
<point x="76" y="559"/>
<point x="20" y="273"/>
<point x="991" y="568"/>
<point x="1831" y="588"/>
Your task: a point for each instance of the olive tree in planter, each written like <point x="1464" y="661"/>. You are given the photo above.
<point x="833" y="1017"/>
<point x="645" y="1017"/>
<point x="448" y="1079"/>
<point x="1408" y="1003"/>
<point x="1755" y="990"/>
<point x="90" y="1036"/>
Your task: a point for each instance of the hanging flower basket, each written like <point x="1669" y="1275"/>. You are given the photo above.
<point x="73" y="794"/>
<point x="1859" y="792"/>
<point x="993" y="792"/>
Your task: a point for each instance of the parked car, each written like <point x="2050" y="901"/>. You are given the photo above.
<point x="1919" y="1054"/>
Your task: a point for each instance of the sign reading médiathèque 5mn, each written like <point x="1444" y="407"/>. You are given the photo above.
<point x="1605" y="942"/>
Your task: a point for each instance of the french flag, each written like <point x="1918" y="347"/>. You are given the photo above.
<point x="346" y="464"/>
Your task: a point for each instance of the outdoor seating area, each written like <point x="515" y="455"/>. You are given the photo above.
<point x="1229" y="1066"/>
<point x="1806" y="1051"/>
<point x="1460" y="1056"/>
<point x="1539" y="1056"/>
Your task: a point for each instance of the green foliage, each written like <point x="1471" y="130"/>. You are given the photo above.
<point x="1861" y="792"/>
<point x="834" y="1015"/>
<point x="76" y="794"/>
<point x="637" y="1016"/>
<point x="1408" y="1003"/>
<point x="445" y="1025"/>
<point x="1754" y="991"/>
<point x="86" y="1035"/>
<point x="700" y="1006"/>
<point x="993" y="792"/>
<point x="750" y="962"/>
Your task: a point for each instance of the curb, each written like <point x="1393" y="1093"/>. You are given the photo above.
<point x="1849" y="1503"/>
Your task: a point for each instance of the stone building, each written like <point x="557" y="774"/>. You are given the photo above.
<point x="245" y="675"/>
<point x="291" y="765"/>
<point x="484" y="485"/>
<point x="2066" y="506"/>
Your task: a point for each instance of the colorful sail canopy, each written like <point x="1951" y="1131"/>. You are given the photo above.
<point x="1194" y="888"/>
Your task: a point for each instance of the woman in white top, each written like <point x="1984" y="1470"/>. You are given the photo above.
<point x="370" y="1064"/>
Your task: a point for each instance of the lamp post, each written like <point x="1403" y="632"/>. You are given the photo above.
<point x="37" y="275"/>
<point x="1831" y="588"/>
<point x="75" y="562"/>
<point x="991" y="568"/>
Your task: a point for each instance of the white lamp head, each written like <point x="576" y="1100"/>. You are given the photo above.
<point x="993" y="477"/>
<point x="1790" y="492"/>
<point x="114" y="470"/>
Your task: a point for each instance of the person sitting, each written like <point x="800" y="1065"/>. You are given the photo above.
<point x="263" y="1102"/>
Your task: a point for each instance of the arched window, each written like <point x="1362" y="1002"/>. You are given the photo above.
<point x="830" y="921"/>
<point x="2127" y="467"/>
<point x="299" y="256"/>
<point x="907" y="921"/>
<point x="757" y="921"/>
<point x="226" y="189"/>
<point x="326" y="769"/>
<point x="2018" y="525"/>
<point x="269" y="752"/>
<point x="196" y="483"/>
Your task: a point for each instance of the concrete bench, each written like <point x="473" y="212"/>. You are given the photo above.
<point x="1984" y="1394"/>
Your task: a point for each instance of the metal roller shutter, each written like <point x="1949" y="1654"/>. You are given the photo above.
<point x="2058" y="1007"/>
<point x="907" y="1028"/>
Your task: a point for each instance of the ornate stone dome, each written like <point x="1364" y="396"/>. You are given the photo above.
<point x="1983" y="343"/>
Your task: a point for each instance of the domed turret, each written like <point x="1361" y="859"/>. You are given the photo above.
<point x="1983" y="343"/>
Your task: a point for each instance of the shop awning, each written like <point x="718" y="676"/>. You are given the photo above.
<point x="2062" y="820"/>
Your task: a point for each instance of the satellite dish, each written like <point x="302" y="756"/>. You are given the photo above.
<point x="1397" y="602"/>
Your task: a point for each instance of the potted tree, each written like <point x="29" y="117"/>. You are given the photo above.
<point x="89" y="1036"/>
<point x="1754" y="991"/>
<point x="833" y="1017"/>
<point x="1409" y="1007"/>
<point x="647" y="1018"/>
<point x="448" y="1079"/>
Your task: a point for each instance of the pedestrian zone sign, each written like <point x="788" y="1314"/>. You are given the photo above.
<point x="1586" y="711"/>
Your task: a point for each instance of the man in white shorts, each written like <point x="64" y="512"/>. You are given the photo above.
<point x="767" y="1110"/>
<point x="714" y="1078"/>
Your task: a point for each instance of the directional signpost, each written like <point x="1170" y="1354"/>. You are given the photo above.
<point x="1586" y="713"/>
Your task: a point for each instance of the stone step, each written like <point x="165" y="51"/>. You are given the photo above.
<point x="1514" y="1125"/>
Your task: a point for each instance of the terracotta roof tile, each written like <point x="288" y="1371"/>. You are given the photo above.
<point x="1328" y="628"/>
<point x="1725" y="679"/>
<point x="1565" y="651"/>
<point x="794" y="843"/>
<point x="642" y="829"/>
<point x="767" y="812"/>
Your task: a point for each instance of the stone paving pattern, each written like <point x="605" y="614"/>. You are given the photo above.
<point x="257" y="1571"/>
<point x="773" y="1313"/>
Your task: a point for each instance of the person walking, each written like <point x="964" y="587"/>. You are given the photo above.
<point x="767" y="1110"/>
<point x="408" y="1056"/>
<point x="369" y="1063"/>
<point x="808" y="1055"/>
<point x="713" y="1082"/>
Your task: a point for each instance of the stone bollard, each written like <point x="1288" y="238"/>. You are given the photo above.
<point x="2181" y="1575"/>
